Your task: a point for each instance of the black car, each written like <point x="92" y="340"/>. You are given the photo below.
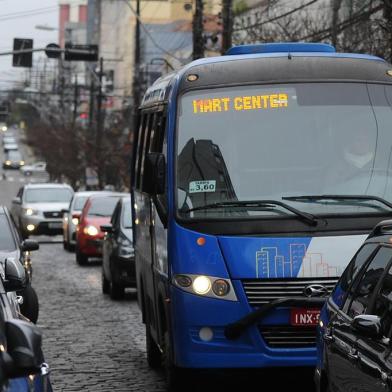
<point x="118" y="264"/>
<point x="22" y="364"/>
<point x="354" y="340"/>
<point x="13" y="247"/>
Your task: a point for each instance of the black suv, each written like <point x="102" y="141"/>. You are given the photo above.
<point x="354" y="340"/>
<point x="118" y="256"/>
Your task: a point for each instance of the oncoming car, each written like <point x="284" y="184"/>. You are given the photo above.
<point x="37" y="208"/>
<point x="96" y="212"/>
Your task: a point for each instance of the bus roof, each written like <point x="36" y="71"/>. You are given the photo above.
<point x="273" y="63"/>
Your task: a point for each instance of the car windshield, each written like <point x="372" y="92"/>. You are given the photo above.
<point x="127" y="214"/>
<point x="48" y="195"/>
<point x="79" y="202"/>
<point x="102" y="206"/>
<point x="270" y="142"/>
<point x="7" y="243"/>
<point x="14" y="155"/>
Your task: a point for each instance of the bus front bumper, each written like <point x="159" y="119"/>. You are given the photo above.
<point x="213" y="333"/>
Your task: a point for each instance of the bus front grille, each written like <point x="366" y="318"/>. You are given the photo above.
<point x="286" y="336"/>
<point x="262" y="291"/>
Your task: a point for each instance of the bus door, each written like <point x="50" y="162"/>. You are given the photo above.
<point x="150" y="231"/>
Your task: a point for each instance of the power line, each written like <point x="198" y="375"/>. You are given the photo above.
<point x="149" y="34"/>
<point x="278" y="17"/>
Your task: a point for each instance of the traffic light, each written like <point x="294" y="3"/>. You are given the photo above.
<point x="81" y="52"/>
<point x="23" y="59"/>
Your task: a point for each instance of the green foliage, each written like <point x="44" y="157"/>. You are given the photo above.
<point x="239" y="6"/>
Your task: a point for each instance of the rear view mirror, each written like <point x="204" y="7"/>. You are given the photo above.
<point x="24" y="354"/>
<point x="107" y="228"/>
<point x="155" y="176"/>
<point x="30" y="245"/>
<point x="16" y="200"/>
<point x="14" y="275"/>
<point x="367" y="325"/>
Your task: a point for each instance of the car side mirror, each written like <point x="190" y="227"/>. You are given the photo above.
<point x="154" y="180"/>
<point x="17" y="200"/>
<point x="24" y="353"/>
<point x="30" y="245"/>
<point x="367" y="325"/>
<point x="14" y="275"/>
<point x="108" y="228"/>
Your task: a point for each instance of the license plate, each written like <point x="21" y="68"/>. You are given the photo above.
<point x="304" y="317"/>
<point x="55" y="225"/>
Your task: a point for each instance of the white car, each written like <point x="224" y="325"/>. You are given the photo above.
<point x="38" y="167"/>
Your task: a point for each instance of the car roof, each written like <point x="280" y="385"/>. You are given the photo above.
<point x="107" y="194"/>
<point x="48" y="185"/>
<point x="85" y="193"/>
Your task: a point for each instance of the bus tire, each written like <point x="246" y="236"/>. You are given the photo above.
<point x="174" y="375"/>
<point x="154" y="359"/>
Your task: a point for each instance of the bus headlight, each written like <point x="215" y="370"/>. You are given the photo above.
<point x="205" y="286"/>
<point x="201" y="285"/>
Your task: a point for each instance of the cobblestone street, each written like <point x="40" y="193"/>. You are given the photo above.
<point x="90" y="342"/>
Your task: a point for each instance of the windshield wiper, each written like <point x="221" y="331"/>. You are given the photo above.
<point x="339" y="197"/>
<point x="305" y="216"/>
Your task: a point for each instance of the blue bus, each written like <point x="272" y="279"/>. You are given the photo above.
<point x="256" y="177"/>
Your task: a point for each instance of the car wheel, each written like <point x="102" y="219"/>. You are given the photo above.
<point x="105" y="284"/>
<point x="116" y="291"/>
<point x="154" y="359"/>
<point x="81" y="258"/>
<point x="65" y="245"/>
<point x="30" y="306"/>
<point x="174" y="375"/>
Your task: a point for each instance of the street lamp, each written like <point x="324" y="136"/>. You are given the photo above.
<point x="46" y="28"/>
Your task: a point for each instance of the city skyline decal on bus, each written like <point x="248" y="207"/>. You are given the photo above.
<point x="305" y="257"/>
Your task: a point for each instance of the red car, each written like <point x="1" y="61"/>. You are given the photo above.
<point x="96" y="212"/>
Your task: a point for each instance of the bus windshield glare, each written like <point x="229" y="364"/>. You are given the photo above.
<point x="272" y="142"/>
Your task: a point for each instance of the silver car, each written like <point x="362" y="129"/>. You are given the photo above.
<point x="37" y="208"/>
<point x="71" y="218"/>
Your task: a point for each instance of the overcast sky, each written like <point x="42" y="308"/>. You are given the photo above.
<point x="18" y="19"/>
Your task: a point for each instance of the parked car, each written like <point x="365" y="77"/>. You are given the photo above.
<point x="13" y="247"/>
<point x="71" y="217"/>
<point x="13" y="160"/>
<point x="96" y="212"/>
<point x="38" y="167"/>
<point x="37" y="208"/>
<point x="10" y="147"/>
<point x="22" y="364"/>
<point x="355" y="329"/>
<point x="118" y="255"/>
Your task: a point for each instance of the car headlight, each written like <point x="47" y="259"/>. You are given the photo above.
<point x="21" y="163"/>
<point x="30" y="211"/>
<point x="126" y="251"/>
<point x="206" y="286"/>
<point x="75" y="221"/>
<point x="8" y="163"/>
<point x="91" y="230"/>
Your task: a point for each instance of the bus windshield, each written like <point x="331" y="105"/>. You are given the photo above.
<point x="275" y="142"/>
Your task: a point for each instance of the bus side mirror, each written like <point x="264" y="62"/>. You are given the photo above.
<point x="154" y="180"/>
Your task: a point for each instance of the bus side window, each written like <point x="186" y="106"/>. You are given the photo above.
<point x="145" y="145"/>
<point x="139" y="151"/>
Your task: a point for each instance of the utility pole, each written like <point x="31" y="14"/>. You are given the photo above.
<point x="76" y="99"/>
<point x="336" y="4"/>
<point x="136" y="85"/>
<point x="197" y="29"/>
<point x="99" y="128"/>
<point x="227" y="25"/>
